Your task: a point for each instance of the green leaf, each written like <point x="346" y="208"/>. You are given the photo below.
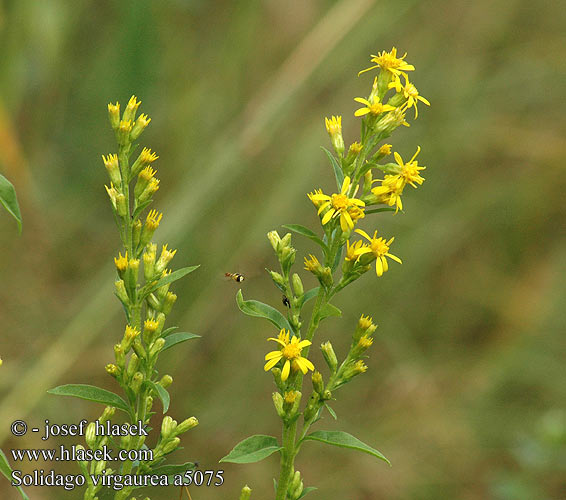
<point x="305" y="231"/>
<point x="344" y="440"/>
<point x="331" y="411"/>
<point x="139" y="209"/>
<point x="329" y="310"/>
<point x="306" y="491"/>
<point x="169" y="330"/>
<point x="174" y="276"/>
<point x="6" y="470"/>
<point x="91" y="393"/>
<point x="252" y="449"/>
<point x="338" y="258"/>
<point x="378" y="210"/>
<point x="9" y="200"/>
<point x="162" y="393"/>
<point x="310" y="294"/>
<point x="337" y="169"/>
<point x="261" y="310"/>
<point x="176" y="338"/>
<point x="173" y="468"/>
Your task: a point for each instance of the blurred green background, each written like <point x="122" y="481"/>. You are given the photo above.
<point x="465" y="391"/>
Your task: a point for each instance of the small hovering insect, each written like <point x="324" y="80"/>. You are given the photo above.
<point x="237" y="277"/>
<point x="286" y="302"/>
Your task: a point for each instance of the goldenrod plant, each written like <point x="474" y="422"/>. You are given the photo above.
<point x="9" y="200"/>
<point x="146" y="300"/>
<point x="344" y="257"/>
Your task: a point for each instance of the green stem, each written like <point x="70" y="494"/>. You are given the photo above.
<point x="287" y="460"/>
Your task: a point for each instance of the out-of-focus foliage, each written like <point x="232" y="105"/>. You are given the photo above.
<point x="465" y="392"/>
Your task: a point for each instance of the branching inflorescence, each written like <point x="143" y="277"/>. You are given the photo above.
<point x="147" y="301"/>
<point x="345" y="257"/>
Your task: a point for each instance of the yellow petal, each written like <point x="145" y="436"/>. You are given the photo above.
<point x="327" y="216"/>
<point x="363" y="233"/>
<point x="270" y="364"/>
<point x="273" y="355"/>
<point x="378" y="267"/>
<point x="361" y="112"/>
<point x="286" y="370"/>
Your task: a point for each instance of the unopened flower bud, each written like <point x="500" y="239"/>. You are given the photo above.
<point x="278" y="403"/>
<point x="317" y="382"/>
<point x="246" y="493"/>
<point x="136" y="382"/>
<point x="90" y="436"/>
<point x="112" y="369"/>
<point x="156" y="347"/>
<point x="168" y="426"/>
<point x="114" y="115"/>
<point x="168" y="303"/>
<point x="171" y="446"/>
<point x="133" y="365"/>
<point x="334" y="129"/>
<point x="149" y="256"/>
<point x="297" y="285"/>
<point x="121" y="205"/>
<point x="119" y="355"/>
<point x="329" y="356"/>
<point x="113" y="169"/>
<point x="277" y="279"/>
<point x="121" y="292"/>
<point x="274" y="239"/>
<point x="186" y="425"/>
<point x="139" y="126"/>
<point x="131" y="108"/>
<point x="166" y="381"/>
<point x="107" y="414"/>
<point x="124" y="129"/>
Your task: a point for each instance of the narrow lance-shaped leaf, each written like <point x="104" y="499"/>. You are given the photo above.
<point x="162" y="393"/>
<point x="170" y="278"/>
<point x="6" y="470"/>
<point x="261" y="310"/>
<point x="344" y="440"/>
<point x="91" y="393"/>
<point x="9" y="200"/>
<point x="252" y="449"/>
<point x="178" y="337"/>
<point x="305" y="231"/>
<point x="337" y="169"/>
<point x="306" y="491"/>
<point x="329" y="310"/>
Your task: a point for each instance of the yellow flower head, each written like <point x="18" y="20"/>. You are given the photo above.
<point x="290" y="352"/>
<point x="316" y="201"/>
<point x="360" y="367"/>
<point x="150" y="326"/>
<point x="114" y="108"/>
<point x="410" y="93"/>
<point x="131" y="332"/>
<point x="390" y="191"/>
<point x="147" y="173"/>
<point x="143" y="120"/>
<point x="110" y="161"/>
<point x="356" y="213"/>
<point x="312" y="264"/>
<point x="373" y="106"/>
<point x="380" y="249"/>
<point x="121" y="262"/>
<point x="126" y="126"/>
<point x="385" y="150"/>
<point x="290" y="397"/>
<point x="337" y="205"/>
<point x="365" y="322"/>
<point x="410" y="171"/>
<point x="353" y="251"/>
<point x="355" y="148"/>
<point x="388" y="61"/>
<point x="333" y="125"/>
<point x="153" y="219"/>
<point x="147" y="156"/>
